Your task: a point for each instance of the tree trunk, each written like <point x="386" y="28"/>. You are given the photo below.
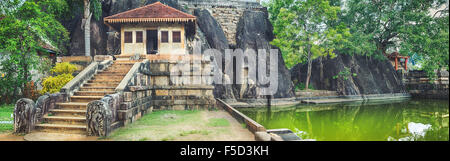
<point x="321" y="72"/>
<point x="86" y="25"/>
<point x="308" y="76"/>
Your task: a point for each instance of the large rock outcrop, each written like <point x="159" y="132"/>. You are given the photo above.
<point x="211" y="33"/>
<point x="254" y="31"/>
<point x="372" y="76"/>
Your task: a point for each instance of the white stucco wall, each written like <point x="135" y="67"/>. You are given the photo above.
<point x="163" y="48"/>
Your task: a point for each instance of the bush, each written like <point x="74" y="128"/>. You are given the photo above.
<point x="30" y="91"/>
<point x="301" y="86"/>
<point x="54" y="84"/>
<point x="64" y="68"/>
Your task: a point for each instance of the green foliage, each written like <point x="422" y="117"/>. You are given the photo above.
<point x="345" y="74"/>
<point x="54" y="84"/>
<point x="96" y="8"/>
<point x="301" y="86"/>
<point x="407" y="25"/>
<point x="302" y="29"/>
<point x="64" y="75"/>
<point x="64" y="68"/>
<point x="5" y="115"/>
<point x="23" y="30"/>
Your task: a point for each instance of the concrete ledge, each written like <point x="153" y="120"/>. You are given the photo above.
<point x="262" y="102"/>
<point x="252" y="125"/>
<point x="76" y="82"/>
<point x="130" y="75"/>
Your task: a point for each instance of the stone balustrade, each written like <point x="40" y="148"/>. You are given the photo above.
<point x="27" y="113"/>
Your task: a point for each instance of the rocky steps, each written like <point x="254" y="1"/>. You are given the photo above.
<point x="70" y="117"/>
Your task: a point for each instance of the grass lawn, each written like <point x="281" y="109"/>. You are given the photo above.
<point x="183" y="126"/>
<point x="5" y="115"/>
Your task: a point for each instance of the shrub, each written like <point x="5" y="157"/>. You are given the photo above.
<point x="64" y="68"/>
<point x="54" y="84"/>
<point x="30" y="91"/>
<point x="301" y="86"/>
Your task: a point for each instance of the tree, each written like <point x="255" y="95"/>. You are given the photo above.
<point x="23" y="31"/>
<point x="379" y="25"/>
<point x="304" y="32"/>
<point x="91" y="7"/>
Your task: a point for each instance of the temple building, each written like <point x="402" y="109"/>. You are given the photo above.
<point x="153" y="29"/>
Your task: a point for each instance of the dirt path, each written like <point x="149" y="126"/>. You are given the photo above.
<point x="10" y="137"/>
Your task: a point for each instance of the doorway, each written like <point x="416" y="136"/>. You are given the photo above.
<point x="152" y="41"/>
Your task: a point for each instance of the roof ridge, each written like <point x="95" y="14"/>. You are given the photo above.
<point x="150" y="5"/>
<point x="133" y="9"/>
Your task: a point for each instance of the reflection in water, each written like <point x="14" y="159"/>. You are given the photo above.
<point x="400" y="120"/>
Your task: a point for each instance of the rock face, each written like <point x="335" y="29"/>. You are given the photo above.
<point x="372" y="76"/>
<point x="212" y="29"/>
<point x="254" y="31"/>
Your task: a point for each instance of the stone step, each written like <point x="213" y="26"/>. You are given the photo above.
<point x="100" y="84"/>
<point x="104" y="80"/>
<point x="99" y="80"/>
<point x="85" y="98"/>
<point x="109" y="76"/>
<point x="58" y="128"/>
<point x="113" y="72"/>
<point x="93" y="93"/>
<point x="118" y="69"/>
<point x="68" y="112"/>
<point x="126" y="61"/>
<point x="116" y="64"/>
<point x="65" y="120"/>
<point x="73" y="105"/>
<point x="109" y="89"/>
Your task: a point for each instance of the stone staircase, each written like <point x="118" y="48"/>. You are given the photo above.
<point x="70" y="117"/>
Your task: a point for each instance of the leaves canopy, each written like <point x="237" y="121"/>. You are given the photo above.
<point x="24" y="29"/>
<point x="306" y="26"/>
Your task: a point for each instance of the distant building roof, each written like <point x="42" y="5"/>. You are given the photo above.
<point x="156" y="12"/>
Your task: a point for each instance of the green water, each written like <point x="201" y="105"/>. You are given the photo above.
<point x="411" y="120"/>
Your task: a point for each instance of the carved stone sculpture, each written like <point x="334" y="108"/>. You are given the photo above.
<point x="98" y="119"/>
<point x="25" y="115"/>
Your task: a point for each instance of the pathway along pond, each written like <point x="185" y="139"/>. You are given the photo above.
<point x="404" y="120"/>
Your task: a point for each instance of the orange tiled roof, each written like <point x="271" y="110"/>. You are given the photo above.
<point x="156" y="12"/>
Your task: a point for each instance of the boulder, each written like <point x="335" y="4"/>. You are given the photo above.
<point x="256" y="32"/>
<point x="373" y="76"/>
<point x="211" y="29"/>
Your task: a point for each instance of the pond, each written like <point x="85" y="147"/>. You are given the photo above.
<point x="395" y="120"/>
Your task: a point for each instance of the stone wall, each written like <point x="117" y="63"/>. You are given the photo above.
<point x="190" y="90"/>
<point x="227" y="13"/>
<point x="148" y="86"/>
<point x="419" y="85"/>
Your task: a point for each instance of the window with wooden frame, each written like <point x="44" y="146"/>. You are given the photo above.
<point x="164" y="36"/>
<point x="128" y="37"/>
<point x="139" y="37"/>
<point x="176" y="36"/>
